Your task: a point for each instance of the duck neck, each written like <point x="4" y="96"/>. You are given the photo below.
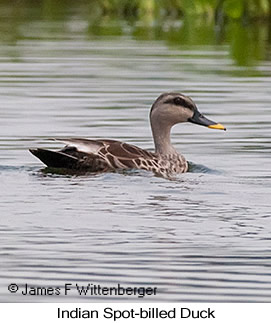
<point x="161" y="137"/>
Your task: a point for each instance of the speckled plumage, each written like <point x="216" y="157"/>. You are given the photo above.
<point x="103" y="155"/>
<point x="112" y="155"/>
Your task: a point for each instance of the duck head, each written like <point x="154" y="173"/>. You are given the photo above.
<point x="172" y="108"/>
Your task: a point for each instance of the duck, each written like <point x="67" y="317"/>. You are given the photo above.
<point x="107" y="155"/>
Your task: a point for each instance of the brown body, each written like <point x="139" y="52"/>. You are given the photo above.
<point x="104" y="155"/>
<point x="109" y="155"/>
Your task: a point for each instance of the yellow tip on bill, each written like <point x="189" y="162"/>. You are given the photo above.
<point x="217" y="126"/>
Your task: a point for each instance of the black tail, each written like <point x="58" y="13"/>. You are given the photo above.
<point x="55" y="159"/>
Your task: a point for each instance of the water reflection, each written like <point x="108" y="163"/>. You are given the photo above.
<point x="246" y="42"/>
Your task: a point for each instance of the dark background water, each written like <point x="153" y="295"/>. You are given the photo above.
<point x="204" y="236"/>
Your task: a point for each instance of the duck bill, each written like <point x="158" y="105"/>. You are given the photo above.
<point x="199" y="119"/>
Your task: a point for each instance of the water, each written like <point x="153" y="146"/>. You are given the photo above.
<point x="202" y="237"/>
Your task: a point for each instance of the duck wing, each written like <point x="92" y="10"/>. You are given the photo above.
<point x="120" y="155"/>
<point x="95" y="155"/>
<point x="78" y="155"/>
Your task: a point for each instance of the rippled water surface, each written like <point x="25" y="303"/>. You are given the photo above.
<point x="205" y="236"/>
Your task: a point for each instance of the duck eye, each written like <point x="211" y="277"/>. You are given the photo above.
<point x="178" y="101"/>
<point x="184" y="103"/>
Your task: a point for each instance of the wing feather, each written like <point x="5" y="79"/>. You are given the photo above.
<point x="115" y="154"/>
<point x="125" y="151"/>
<point x="87" y="146"/>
